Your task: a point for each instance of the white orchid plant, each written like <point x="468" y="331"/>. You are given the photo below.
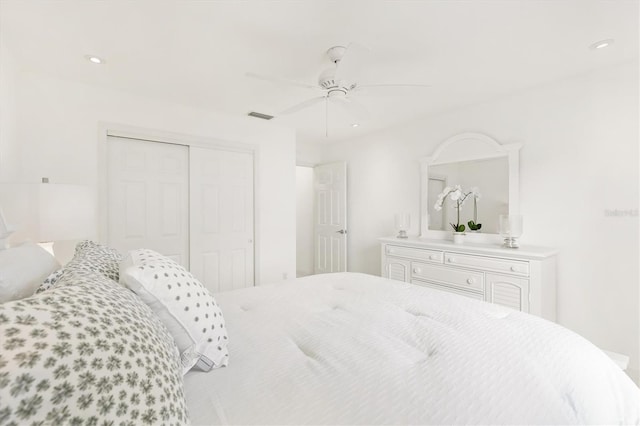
<point x="473" y="224"/>
<point x="458" y="196"/>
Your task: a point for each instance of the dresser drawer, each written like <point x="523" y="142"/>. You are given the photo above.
<point x="471" y="294"/>
<point x="414" y="253"/>
<point x="505" y="266"/>
<point x="459" y="278"/>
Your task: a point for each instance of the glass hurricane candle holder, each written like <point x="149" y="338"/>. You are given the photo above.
<point x="403" y="222"/>
<point x="510" y="229"/>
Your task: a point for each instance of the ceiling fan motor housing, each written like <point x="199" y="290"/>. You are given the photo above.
<point x="336" y="53"/>
<point x="328" y="82"/>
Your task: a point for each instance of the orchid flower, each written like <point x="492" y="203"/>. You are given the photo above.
<point x="458" y="196"/>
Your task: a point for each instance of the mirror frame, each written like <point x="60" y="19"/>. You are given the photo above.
<point x="467" y="147"/>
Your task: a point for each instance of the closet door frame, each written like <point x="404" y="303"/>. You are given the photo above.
<point x="106" y="129"/>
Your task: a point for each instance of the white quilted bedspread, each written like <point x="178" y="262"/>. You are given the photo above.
<point x="357" y="349"/>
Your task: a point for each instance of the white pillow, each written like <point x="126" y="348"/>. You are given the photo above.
<point x="23" y="269"/>
<point x="183" y="304"/>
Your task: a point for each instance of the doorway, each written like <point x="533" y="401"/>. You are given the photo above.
<point x="321" y="234"/>
<point x="304" y="221"/>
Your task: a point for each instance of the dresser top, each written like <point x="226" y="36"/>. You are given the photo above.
<point x="524" y="252"/>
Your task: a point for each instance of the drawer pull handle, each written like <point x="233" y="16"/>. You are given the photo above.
<point x="470" y="281"/>
<point x="416" y="270"/>
<point x="450" y="260"/>
<point x="391" y="251"/>
<point x="432" y="257"/>
<point x="514" y="269"/>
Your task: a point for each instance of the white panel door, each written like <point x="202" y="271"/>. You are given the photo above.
<point x="148" y="198"/>
<point x="436" y="219"/>
<point x="222" y="216"/>
<point x="330" y="217"/>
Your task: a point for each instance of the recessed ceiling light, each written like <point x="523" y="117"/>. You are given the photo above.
<point x="355" y="125"/>
<point x="601" y="44"/>
<point x="94" y="59"/>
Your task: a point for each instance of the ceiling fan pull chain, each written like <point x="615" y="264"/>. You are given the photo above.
<point x="326" y="117"/>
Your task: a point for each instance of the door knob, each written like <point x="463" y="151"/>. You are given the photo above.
<point x="342" y="231"/>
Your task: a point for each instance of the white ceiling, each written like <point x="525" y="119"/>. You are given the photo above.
<point x="197" y="52"/>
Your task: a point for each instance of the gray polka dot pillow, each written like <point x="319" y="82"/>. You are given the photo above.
<point x="87" y="352"/>
<point x="184" y="305"/>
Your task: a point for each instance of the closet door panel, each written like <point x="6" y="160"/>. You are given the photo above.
<point x="222" y="217"/>
<point x="148" y="197"/>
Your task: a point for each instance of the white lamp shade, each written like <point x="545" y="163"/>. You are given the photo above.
<point x="65" y="212"/>
<point x="47" y="212"/>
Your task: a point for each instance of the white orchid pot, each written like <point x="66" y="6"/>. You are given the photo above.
<point x="458" y="237"/>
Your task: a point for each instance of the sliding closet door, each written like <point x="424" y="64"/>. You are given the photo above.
<point x="222" y="216"/>
<point x="148" y="197"/>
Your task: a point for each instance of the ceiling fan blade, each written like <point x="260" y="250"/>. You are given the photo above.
<point x="389" y="89"/>
<point x="279" y="80"/>
<point x="302" y="105"/>
<point x="393" y="85"/>
<point x="354" y="108"/>
<point x="350" y="66"/>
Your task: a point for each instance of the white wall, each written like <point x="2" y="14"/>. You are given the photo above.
<point x="58" y="124"/>
<point x="304" y="223"/>
<point x="309" y="154"/>
<point x="579" y="159"/>
<point x="8" y="98"/>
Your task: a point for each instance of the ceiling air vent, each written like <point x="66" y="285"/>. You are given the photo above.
<point x="260" y="115"/>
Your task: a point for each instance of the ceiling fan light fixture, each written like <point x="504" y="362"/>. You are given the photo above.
<point x="601" y="44"/>
<point x="337" y="93"/>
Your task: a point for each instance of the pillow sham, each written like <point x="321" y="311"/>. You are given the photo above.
<point x="96" y="257"/>
<point x="89" y="256"/>
<point x="22" y="270"/>
<point x="183" y="304"/>
<point x="50" y="280"/>
<point x="87" y="352"/>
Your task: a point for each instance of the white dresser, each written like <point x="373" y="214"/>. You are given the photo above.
<point x="523" y="279"/>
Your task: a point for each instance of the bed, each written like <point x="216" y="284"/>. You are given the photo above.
<point x="357" y="349"/>
<point x="92" y="346"/>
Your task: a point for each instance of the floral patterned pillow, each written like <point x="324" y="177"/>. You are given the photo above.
<point x="50" y="281"/>
<point x="87" y="351"/>
<point x="89" y="257"/>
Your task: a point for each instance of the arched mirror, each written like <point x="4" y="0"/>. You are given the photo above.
<point x="479" y="164"/>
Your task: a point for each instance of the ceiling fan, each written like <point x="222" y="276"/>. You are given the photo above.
<point x="340" y="84"/>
